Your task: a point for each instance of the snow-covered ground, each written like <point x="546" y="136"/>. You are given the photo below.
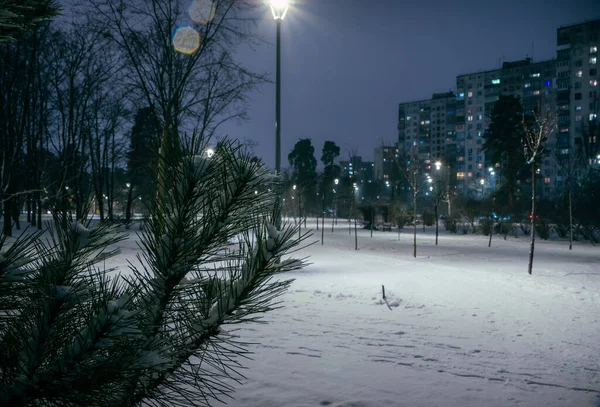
<point x="463" y="325"/>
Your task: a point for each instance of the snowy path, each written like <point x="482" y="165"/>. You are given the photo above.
<point x="467" y="327"/>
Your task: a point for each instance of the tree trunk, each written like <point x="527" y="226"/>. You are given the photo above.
<point x="323" y="221"/>
<point x="415" y="223"/>
<point x="492" y="219"/>
<point x="570" y="216"/>
<point x="299" y="217"/>
<point x="372" y="221"/>
<point x="333" y="216"/>
<point x="28" y="208"/>
<point x="128" y="208"/>
<point x="532" y="246"/>
<point x="355" y="235"/>
<point x="7" y="206"/>
<point x="39" y="211"/>
<point x="17" y="212"/>
<point x="436" y="223"/>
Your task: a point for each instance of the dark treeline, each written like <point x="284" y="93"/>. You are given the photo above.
<point x="86" y="105"/>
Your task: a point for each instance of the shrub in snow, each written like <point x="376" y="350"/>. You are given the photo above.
<point x="74" y="334"/>
<point x="450" y="223"/>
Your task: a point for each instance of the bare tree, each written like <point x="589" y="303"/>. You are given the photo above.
<point x="440" y="193"/>
<point x="411" y="168"/>
<point x="570" y="165"/>
<point x="80" y="65"/>
<point x="200" y="87"/>
<point x="106" y="147"/>
<point x="535" y="136"/>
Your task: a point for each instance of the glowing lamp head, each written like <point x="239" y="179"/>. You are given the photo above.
<point x="438" y="165"/>
<point x="279" y="8"/>
<point x="210" y="152"/>
<point x="482" y="181"/>
<point x="336" y="181"/>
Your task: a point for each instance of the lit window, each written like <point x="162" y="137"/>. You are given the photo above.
<point x="470" y="94"/>
<point x="480" y="166"/>
<point x="578" y="118"/>
<point x="578" y="74"/>
<point x="469" y="174"/>
<point x="470" y="118"/>
<point x="460" y="175"/>
<point x="527" y="85"/>
<point x="407" y="117"/>
<point x="593" y="116"/>
<point x="549" y="82"/>
<point x="497" y="81"/>
<point x="593" y="49"/>
<point x="593" y="82"/>
<point x="547" y="180"/>
<point x="479" y="116"/>
<point x="536" y="92"/>
<point x="535" y="75"/>
<point x="577" y="107"/>
<point x="593" y="60"/>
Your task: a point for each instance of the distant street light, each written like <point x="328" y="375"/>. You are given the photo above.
<point x="334" y="220"/>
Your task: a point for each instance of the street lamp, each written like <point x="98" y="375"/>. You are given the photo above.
<point x="334" y="220"/>
<point x="279" y="9"/>
<point x="438" y="166"/>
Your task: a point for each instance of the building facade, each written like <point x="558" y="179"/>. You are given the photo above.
<point x="449" y="127"/>
<point x="578" y="96"/>
<point x="476" y="94"/>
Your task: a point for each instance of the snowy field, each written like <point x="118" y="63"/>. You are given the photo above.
<point x="464" y="325"/>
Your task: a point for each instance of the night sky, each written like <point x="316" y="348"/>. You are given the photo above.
<point x="346" y="64"/>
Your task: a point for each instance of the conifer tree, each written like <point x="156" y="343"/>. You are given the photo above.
<point x="75" y="334"/>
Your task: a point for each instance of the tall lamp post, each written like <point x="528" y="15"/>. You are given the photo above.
<point x="334" y="217"/>
<point x="438" y="166"/>
<point x="279" y="9"/>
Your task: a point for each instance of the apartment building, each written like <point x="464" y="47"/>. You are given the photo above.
<point x="476" y="95"/>
<point x="450" y="127"/>
<point x="578" y="95"/>
<point x="357" y="169"/>
<point x="414" y="128"/>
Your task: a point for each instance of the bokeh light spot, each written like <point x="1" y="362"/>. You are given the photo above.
<point x="186" y="40"/>
<point x="202" y="11"/>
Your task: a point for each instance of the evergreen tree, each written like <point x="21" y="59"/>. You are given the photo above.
<point x="75" y="334"/>
<point x="304" y="175"/>
<point x="23" y="15"/>
<point x="503" y="144"/>
<point x="142" y="157"/>
<point x="302" y="159"/>
<point x="330" y="152"/>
